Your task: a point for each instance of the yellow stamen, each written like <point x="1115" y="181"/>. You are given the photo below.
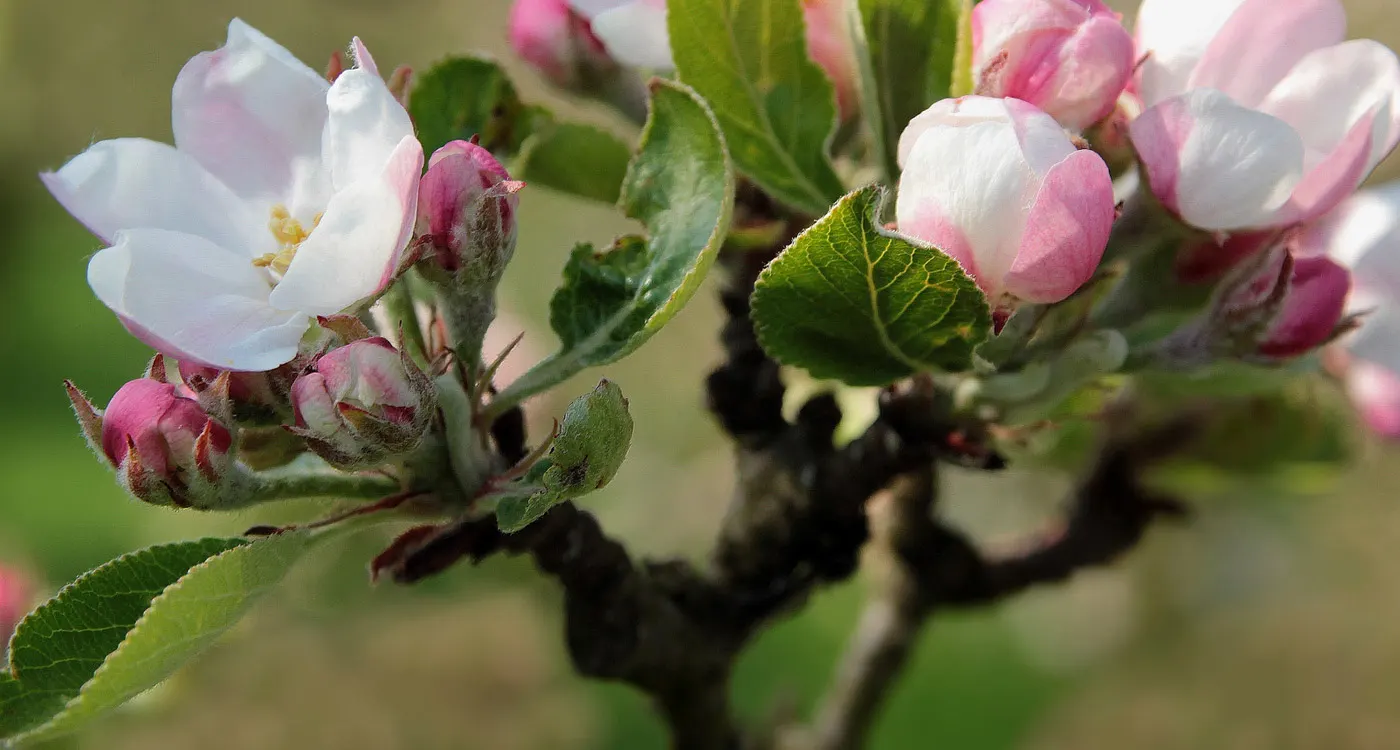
<point x="289" y="234"/>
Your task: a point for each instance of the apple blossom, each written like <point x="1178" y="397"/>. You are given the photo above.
<point x="284" y="198"/>
<point x="997" y="184"/>
<point x="1312" y="308"/>
<point x="362" y="403"/>
<point x="635" y="33"/>
<point x="557" y="41"/>
<point x="1258" y="113"/>
<point x="1071" y="58"/>
<point x="466" y="207"/>
<point x="1363" y="233"/>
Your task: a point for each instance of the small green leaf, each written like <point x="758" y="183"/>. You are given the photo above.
<point x="850" y="301"/>
<point x="912" y="48"/>
<point x="462" y="97"/>
<point x="204" y="588"/>
<point x="22" y="709"/>
<point x="681" y="186"/>
<point x="748" y="58"/>
<point x="578" y="159"/>
<point x="592" y="443"/>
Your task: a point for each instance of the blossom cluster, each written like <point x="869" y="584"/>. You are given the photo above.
<point x="1256" y="146"/>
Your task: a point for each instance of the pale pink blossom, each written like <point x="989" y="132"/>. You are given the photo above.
<point x="1071" y="58"/>
<point x="1376" y="392"/>
<point x="830" y="47"/>
<point x="1259" y="114"/>
<point x="997" y="184"/>
<point x="284" y="198"/>
<point x="557" y="41"/>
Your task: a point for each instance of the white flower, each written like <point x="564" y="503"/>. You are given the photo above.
<point x="284" y="198"/>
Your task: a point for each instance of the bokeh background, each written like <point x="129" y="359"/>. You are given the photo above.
<point x="1268" y="622"/>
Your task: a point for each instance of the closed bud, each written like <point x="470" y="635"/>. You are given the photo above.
<point x="558" y="42"/>
<point x="362" y="404"/>
<point x="466" y="210"/>
<point x="14" y="602"/>
<point x="166" y="448"/>
<point x="830" y="47"/>
<point x="997" y="185"/>
<point x="1071" y="58"/>
<point x="1312" y="311"/>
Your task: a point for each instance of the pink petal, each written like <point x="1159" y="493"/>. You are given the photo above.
<point x="353" y="253"/>
<point x="1172" y="37"/>
<point x="1333" y="89"/>
<point x="253" y="114"/>
<point x="1262" y="42"/>
<point x="1336" y="177"/>
<point x="1066" y="231"/>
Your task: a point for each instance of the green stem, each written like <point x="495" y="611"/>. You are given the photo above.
<point x="398" y="304"/>
<point x="289" y="485"/>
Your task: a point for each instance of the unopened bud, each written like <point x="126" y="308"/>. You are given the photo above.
<point x="15" y="595"/>
<point x="362" y="404"/>
<point x="466" y="210"/>
<point x="166" y="448"/>
<point x="1071" y="58"/>
<point x="559" y="43"/>
<point x="1312" y="310"/>
<point x="830" y="47"/>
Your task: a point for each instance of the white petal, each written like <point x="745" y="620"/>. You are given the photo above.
<point x="355" y="249"/>
<point x="1238" y="166"/>
<point x="130" y="183"/>
<point x="194" y="300"/>
<point x="973" y="178"/>
<point x="1378" y="339"/>
<point x="1332" y="89"/>
<point x="253" y="115"/>
<point x="366" y="124"/>
<point x="1172" y="36"/>
<point x="636" y="35"/>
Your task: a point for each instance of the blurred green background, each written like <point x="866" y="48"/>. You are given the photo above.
<point x="1265" y="623"/>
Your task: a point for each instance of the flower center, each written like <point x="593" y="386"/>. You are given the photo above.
<point x="290" y="234"/>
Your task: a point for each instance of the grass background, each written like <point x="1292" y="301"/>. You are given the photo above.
<point x="1266" y="623"/>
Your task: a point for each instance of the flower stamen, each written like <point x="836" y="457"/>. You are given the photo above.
<point x="290" y="234"/>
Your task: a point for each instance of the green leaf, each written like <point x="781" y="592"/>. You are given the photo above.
<point x="681" y="186"/>
<point x="777" y="109"/>
<point x="851" y="301"/>
<point x="128" y="625"/>
<point x="912" y="47"/>
<point x="578" y="159"/>
<point x="462" y="97"/>
<point x="587" y="453"/>
<point x="22" y="709"/>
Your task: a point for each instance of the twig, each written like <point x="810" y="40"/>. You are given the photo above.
<point x="886" y="634"/>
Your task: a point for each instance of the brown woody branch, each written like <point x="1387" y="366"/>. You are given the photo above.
<point x="797" y="521"/>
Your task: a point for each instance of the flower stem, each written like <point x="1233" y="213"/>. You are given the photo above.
<point x="289" y="485"/>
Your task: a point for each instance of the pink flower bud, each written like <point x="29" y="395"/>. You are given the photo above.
<point x="558" y="42"/>
<point x="162" y="442"/>
<point x="1312" y="309"/>
<point x="466" y="207"/>
<point x="1376" y="392"/>
<point x="1071" y="58"/>
<point x="829" y="45"/>
<point x="997" y="185"/>
<point x="363" y="403"/>
<point x="14" y="602"/>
